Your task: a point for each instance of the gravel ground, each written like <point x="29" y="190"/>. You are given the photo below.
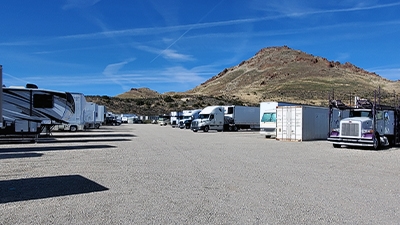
<point x="147" y="174"/>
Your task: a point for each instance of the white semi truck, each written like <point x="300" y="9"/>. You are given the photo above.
<point x="368" y="124"/>
<point x="76" y="122"/>
<point x="227" y="118"/>
<point x="268" y="117"/>
<point x="187" y="117"/>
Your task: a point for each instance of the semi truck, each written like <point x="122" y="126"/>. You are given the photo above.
<point x="368" y="124"/>
<point x="301" y="123"/>
<point x="187" y="117"/>
<point x="227" y="118"/>
<point x="268" y="117"/>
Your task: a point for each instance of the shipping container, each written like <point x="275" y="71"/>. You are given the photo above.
<point x="302" y="123"/>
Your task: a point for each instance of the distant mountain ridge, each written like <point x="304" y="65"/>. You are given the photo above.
<point x="272" y="74"/>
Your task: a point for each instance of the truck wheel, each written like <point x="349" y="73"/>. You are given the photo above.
<point x="337" y="145"/>
<point x="230" y="128"/>
<point x="377" y="143"/>
<point x="235" y="128"/>
<point x="194" y="130"/>
<point x="73" y="129"/>
<point x="206" y="128"/>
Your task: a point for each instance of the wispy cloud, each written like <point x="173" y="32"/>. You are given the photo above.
<point x="71" y="4"/>
<point x="112" y="71"/>
<point x="169" y="54"/>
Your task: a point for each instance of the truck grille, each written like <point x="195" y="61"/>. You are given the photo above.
<point x="350" y="129"/>
<point x="194" y="124"/>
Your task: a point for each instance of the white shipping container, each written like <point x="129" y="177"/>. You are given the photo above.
<point x="302" y="123"/>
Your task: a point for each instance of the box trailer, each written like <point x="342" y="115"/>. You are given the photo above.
<point x="301" y="123"/>
<point x="268" y="117"/>
<point x="241" y="117"/>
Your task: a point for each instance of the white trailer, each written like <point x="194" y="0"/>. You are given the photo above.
<point x="268" y="117"/>
<point x="77" y="120"/>
<point x="90" y="115"/>
<point x="101" y="115"/>
<point x="241" y="117"/>
<point x="302" y="123"/>
<point x="176" y="116"/>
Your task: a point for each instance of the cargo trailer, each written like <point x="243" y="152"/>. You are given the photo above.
<point x="301" y="123"/>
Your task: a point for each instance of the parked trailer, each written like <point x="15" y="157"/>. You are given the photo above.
<point x="227" y="118"/>
<point x="301" y="123"/>
<point x="268" y="117"/>
<point x="90" y="115"/>
<point x="241" y="117"/>
<point x="176" y="116"/>
<point x="77" y="120"/>
<point x="29" y="111"/>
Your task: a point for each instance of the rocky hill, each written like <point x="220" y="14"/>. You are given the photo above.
<point x="272" y="74"/>
<point x="284" y="74"/>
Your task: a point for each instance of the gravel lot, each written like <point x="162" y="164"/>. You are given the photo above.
<point x="147" y="174"/>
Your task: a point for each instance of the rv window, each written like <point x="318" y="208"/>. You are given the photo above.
<point x="211" y="116"/>
<point x="43" y="101"/>
<point x="269" y="117"/>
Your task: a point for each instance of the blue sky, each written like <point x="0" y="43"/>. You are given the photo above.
<point x="104" y="47"/>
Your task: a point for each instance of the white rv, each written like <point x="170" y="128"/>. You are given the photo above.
<point x="30" y="110"/>
<point x="77" y="121"/>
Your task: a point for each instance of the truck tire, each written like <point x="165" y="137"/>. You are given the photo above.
<point x="235" y="128"/>
<point x="230" y="128"/>
<point x="377" y="142"/>
<point x="73" y="128"/>
<point x="194" y="130"/>
<point x="206" y="128"/>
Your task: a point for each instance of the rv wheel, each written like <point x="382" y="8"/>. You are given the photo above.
<point x="73" y="129"/>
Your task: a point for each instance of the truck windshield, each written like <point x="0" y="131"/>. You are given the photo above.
<point x="269" y="117"/>
<point x="204" y="116"/>
<point x="361" y="114"/>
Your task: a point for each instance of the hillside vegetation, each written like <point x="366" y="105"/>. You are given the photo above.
<point x="273" y="74"/>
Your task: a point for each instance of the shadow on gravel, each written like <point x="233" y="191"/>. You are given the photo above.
<point x="20" y="155"/>
<point x="88" y="135"/>
<point x="54" y="148"/>
<point x="80" y="140"/>
<point x="46" y="187"/>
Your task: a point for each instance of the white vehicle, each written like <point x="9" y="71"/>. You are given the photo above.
<point x="77" y="121"/>
<point x="368" y="124"/>
<point x="242" y="117"/>
<point x="125" y="118"/>
<point x="175" y="118"/>
<point x="163" y="120"/>
<point x="187" y="117"/>
<point x="227" y="118"/>
<point x="90" y="115"/>
<point x="211" y="117"/>
<point x="27" y="111"/>
<point x="268" y="118"/>
<point x="301" y="123"/>
<point x="101" y="115"/>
